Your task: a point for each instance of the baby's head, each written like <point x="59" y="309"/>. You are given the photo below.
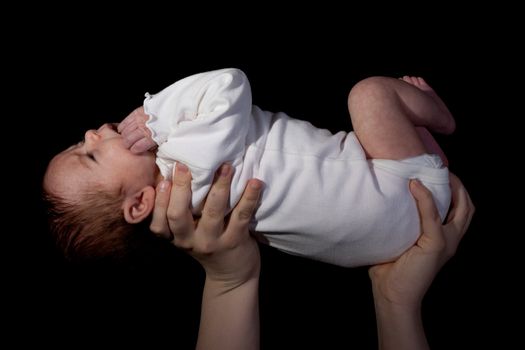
<point x="97" y="190"/>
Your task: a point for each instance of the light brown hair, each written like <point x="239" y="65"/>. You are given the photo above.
<point x="93" y="228"/>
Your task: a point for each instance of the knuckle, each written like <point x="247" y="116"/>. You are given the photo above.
<point x="183" y="244"/>
<point x="180" y="181"/>
<point x="213" y="213"/>
<point x="207" y="247"/>
<point x="245" y="214"/>
<point x="221" y="194"/>
<point x="231" y="243"/>
<point x="174" y="215"/>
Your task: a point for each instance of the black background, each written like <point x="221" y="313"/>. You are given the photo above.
<point x="72" y="77"/>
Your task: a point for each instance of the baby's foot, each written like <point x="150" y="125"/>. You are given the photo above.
<point x="420" y="83"/>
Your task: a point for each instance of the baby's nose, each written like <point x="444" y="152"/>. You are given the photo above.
<point x="91" y="136"/>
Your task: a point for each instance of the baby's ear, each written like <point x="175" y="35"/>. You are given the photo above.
<point x="138" y="206"/>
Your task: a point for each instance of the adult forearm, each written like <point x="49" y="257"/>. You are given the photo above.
<point x="229" y="316"/>
<point x="399" y="327"/>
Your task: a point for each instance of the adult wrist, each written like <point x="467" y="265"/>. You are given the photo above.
<point x="395" y="304"/>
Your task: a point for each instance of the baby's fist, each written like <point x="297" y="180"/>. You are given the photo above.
<point x="137" y="137"/>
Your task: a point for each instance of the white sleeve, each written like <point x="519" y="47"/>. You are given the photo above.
<point x="201" y="121"/>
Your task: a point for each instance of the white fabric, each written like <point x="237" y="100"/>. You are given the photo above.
<point x="322" y="198"/>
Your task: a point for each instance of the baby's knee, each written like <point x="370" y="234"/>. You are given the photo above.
<point x="369" y="88"/>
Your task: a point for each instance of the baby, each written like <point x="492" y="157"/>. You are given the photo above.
<point x="341" y="199"/>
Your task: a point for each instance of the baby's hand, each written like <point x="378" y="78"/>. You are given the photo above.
<point x="137" y="137"/>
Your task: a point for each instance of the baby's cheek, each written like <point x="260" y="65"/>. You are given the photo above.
<point x="147" y="167"/>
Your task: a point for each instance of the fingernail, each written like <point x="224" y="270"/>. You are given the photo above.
<point x="415" y="182"/>
<point x="256" y="185"/>
<point x="225" y="170"/>
<point x="163" y="186"/>
<point x="182" y="168"/>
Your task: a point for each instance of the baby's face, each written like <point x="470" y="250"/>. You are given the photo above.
<point x="101" y="160"/>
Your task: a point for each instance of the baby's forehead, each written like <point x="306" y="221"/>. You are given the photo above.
<point x="63" y="159"/>
<point x="63" y="173"/>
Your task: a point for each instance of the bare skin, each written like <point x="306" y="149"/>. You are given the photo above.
<point x="230" y="315"/>
<point x="399" y="286"/>
<point x="226" y="251"/>
<point x="421" y="84"/>
<point x="390" y="117"/>
<point x="428" y="140"/>
<point x="387" y="112"/>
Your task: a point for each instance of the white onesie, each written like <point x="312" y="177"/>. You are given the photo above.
<point x="322" y="198"/>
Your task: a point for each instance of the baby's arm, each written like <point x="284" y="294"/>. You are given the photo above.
<point x="216" y="103"/>
<point x="202" y="121"/>
<point x="136" y="135"/>
<point x="201" y="115"/>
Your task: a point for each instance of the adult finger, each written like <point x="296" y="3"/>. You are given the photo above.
<point x="244" y="210"/>
<point x="463" y="205"/>
<point x="432" y="234"/>
<point x="179" y="214"/>
<point x="159" y="222"/>
<point x="216" y="205"/>
<point x="462" y="210"/>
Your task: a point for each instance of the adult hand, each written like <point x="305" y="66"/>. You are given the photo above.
<point x="399" y="287"/>
<point x="406" y="280"/>
<point x="225" y="249"/>
<point x="229" y="255"/>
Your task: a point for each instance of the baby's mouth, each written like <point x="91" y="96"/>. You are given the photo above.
<point x="113" y="126"/>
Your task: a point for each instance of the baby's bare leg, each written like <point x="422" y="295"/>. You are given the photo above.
<point x="385" y="113"/>
<point x="431" y="145"/>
